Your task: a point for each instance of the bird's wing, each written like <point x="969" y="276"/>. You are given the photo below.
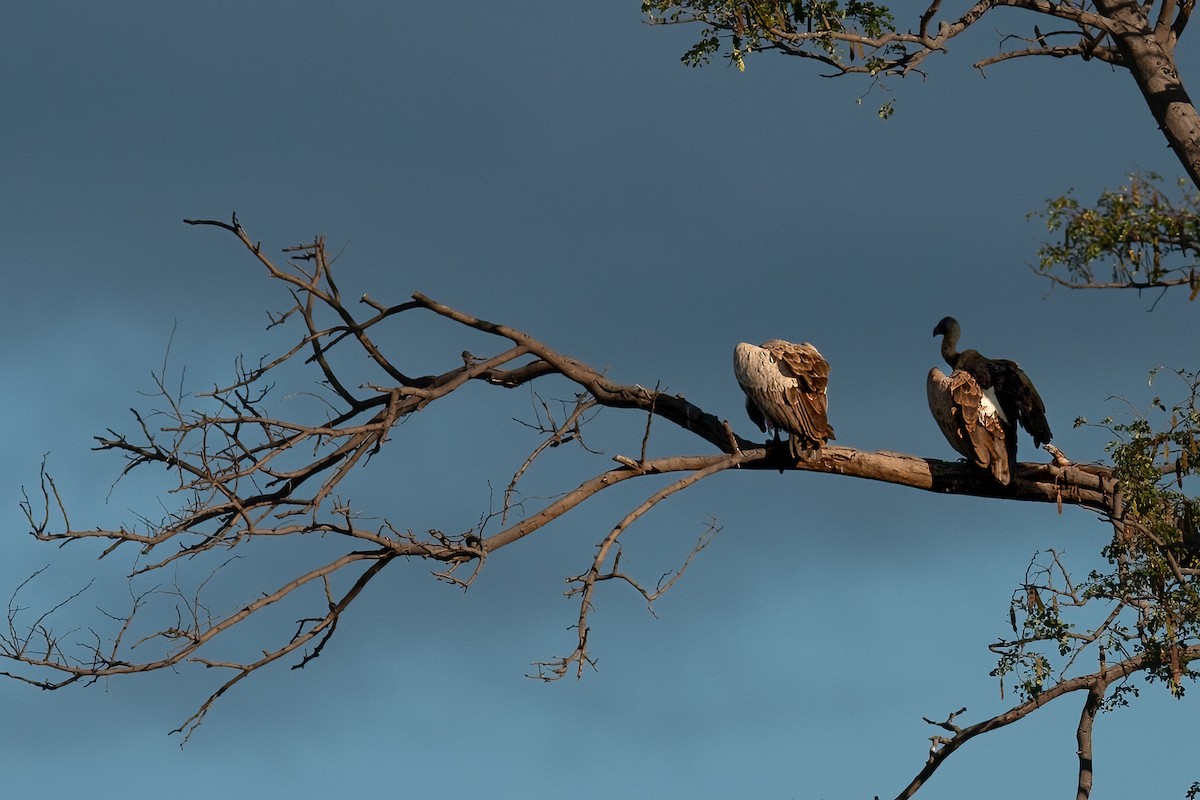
<point x="969" y="421"/>
<point x="1012" y="383"/>
<point x="804" y="405"/>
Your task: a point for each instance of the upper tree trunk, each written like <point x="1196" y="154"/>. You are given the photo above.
<point x="1151" y="60"/>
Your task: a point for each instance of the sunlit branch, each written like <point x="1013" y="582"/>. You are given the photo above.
<point x="1061" y="51"/>
<point x="323" y="626"/>
<point x="893" y="51"/>
<point x="1160" y="283"/>
<point x="585" y="584"/>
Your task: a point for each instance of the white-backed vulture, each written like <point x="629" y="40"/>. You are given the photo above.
<point x="785" y="387"/>
<point x="1004" y="384"/>
<point x="971" y="422"/>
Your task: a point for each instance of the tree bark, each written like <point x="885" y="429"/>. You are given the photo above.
<point x="1151" y="60"/>
<point x="1083" y="736"/>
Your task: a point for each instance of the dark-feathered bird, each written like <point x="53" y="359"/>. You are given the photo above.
<point x="1003" y="384"/>
<point x="785" y="387"/>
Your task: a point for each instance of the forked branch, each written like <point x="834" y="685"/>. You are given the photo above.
<point x="1094" y="684"/>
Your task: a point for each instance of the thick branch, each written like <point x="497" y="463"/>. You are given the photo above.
<point x="1083" y="735"/>
<point x="1151" y="60"/>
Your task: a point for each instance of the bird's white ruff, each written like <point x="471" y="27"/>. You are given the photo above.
<point x="989" y="405"/>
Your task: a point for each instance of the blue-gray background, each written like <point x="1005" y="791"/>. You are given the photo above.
<point x="552" y="166"/>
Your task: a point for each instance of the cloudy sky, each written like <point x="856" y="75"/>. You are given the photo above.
<point x="553" y="166"/>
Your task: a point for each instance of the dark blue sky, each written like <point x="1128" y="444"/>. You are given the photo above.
<point x="552" y="166"/>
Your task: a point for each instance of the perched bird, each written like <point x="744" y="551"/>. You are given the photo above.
<point x="971" y="422"/>
<point x="785" y="390"/>
<point x="1002" y="383"/>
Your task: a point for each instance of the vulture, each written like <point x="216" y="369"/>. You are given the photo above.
<point x="785" y="390"/>
<point x="971" y="422"/>
<point x="982" y="395"/>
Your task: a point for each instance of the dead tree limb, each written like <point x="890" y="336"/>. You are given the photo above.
<point x="242" y="474"/>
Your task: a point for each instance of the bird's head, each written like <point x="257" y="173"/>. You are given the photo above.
<point x="947" y="327"/>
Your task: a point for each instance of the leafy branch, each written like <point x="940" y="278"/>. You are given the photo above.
<point x="1133" y="237"/>
<point x="861" y="37"/>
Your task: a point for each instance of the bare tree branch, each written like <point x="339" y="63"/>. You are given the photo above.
<point x="242" y="474"/>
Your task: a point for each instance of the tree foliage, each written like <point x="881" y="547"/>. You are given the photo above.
<point x="863" y="38"/>
<point x="1134" y="237"/>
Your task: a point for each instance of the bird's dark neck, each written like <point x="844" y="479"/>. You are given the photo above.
<point x="950" y="349"/>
